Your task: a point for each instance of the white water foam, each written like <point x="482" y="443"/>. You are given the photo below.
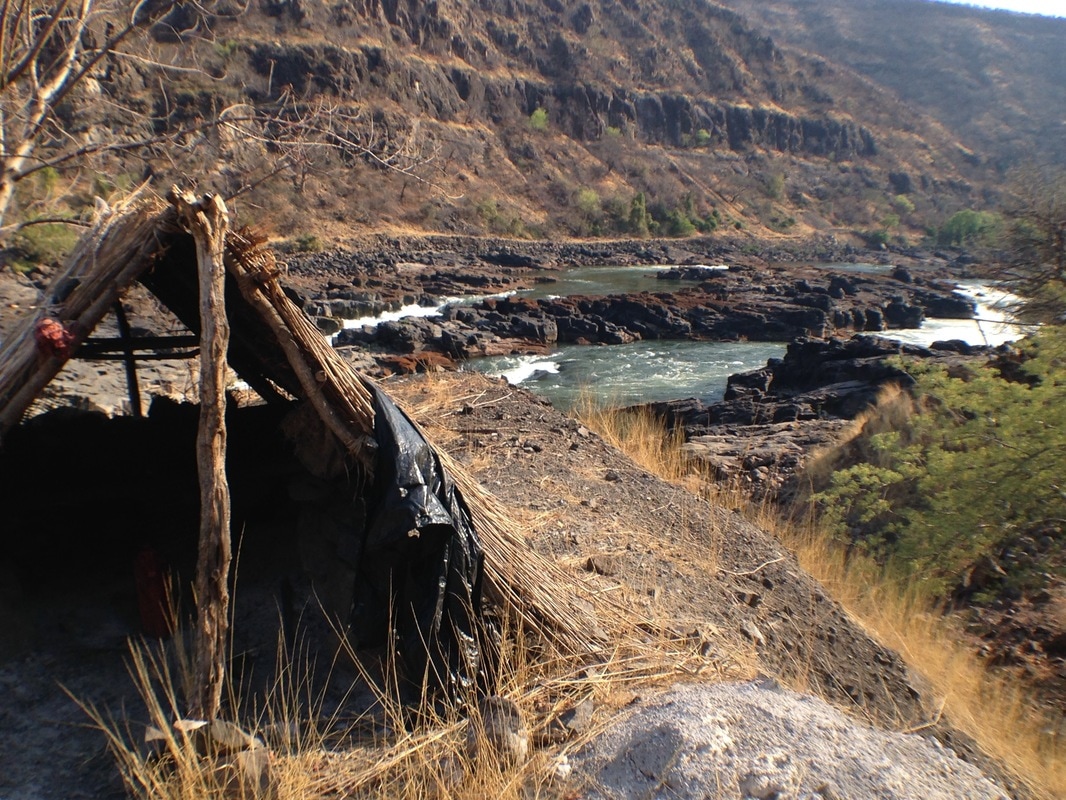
<point x="416" y="310"/>
<point x="413" y="310"/>
<point x="992" y="325"/>
<point x="525" y="367"/>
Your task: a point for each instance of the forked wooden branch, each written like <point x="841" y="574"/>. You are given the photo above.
<point x="207" y="219"/>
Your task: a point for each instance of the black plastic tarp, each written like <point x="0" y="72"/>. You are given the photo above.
<point x="421" y="561"/>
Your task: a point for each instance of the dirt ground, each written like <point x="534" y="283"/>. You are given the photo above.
<point x="695" y="568"/>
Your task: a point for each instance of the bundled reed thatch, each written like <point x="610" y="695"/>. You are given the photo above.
<point x="141" y="240"/>
<point x="545" y="598"/>
<point x="106" y="261"/>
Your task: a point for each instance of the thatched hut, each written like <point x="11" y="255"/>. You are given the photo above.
<point x="402" y="545"/>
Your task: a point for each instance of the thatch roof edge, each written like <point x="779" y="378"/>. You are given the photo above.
<point x="118" y="248"/>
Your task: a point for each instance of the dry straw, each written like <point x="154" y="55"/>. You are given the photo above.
<point x="103" y="265"/>
<point x="547" y="599"/>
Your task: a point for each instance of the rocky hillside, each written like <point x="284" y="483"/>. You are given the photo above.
<point x="543" y="118"/>
<point x="995" y="78"/>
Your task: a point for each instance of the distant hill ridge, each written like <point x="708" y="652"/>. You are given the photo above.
<point x="607" y="117"/>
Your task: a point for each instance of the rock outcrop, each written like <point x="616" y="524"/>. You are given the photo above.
<point x="778" y="303"/>
<point x="772" y="419"/>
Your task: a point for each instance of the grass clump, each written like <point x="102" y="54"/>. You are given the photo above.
<point x="390" y="748"/>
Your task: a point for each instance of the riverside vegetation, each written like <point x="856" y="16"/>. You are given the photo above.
<point x="969" y="475"/>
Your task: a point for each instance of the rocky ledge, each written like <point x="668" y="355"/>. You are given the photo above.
<point x="741" y="302"/>
<point x="771" y="420"/>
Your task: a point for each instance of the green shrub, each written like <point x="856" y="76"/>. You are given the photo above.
<point x="875" y="238"/>
<point x="903" y="204"/>
<point x="106" y="186"/>
<point x="488" y="210"/>
<point x="967" y="227"/>
<point x="307" y="243"/>
<point x="979" y="468"/>
<point x="678" y="224"/>
<point x="639" y="219"/>
<point x="538" y="120"/>
<point x="709" y="223"/>
<point x="774" y="186"/>
<point x="587" y="202"/>
<point x="226" y="48"/>
<point x="47" y="243"/>
<point x="48" y="180"/>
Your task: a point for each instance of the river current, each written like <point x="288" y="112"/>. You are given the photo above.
<point x="649" y="371"/>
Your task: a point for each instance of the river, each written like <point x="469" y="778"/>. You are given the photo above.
<point x="649" y="371"/>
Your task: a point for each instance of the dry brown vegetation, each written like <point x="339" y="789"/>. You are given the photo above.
<point x="395" y="749"/>
<point x="993" y="707"/>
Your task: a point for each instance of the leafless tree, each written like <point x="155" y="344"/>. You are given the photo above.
<point x="53" y="52"/>
<point x="49" y="49"/>
<point x="1034" y="260"/>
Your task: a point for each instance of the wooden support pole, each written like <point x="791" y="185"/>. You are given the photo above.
<point x="207" y="220"/>
<point x="128" y="358"/>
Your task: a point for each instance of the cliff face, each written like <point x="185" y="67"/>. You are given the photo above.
<point x="547" y="118"/>
<point x="580" y="111"/>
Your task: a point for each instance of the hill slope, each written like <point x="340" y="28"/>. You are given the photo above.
<point x="996" y="78"/>
<point x="531" y="119"/>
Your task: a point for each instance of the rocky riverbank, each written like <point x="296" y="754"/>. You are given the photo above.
<point x="756" y="298"/>
<point x="773" y="419"/>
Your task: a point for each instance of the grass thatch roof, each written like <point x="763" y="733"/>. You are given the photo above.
<point x="277" y="350"/>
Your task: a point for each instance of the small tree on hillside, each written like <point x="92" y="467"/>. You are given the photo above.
<point x="639" y="219"/>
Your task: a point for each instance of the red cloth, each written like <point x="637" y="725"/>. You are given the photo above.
<point x="54" y="338"/>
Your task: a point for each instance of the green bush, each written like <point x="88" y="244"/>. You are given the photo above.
<point x="774" y="186"/>
<point x="640" y="222"/>
<point x="678" y="224"/>
<point x="903" y="204"/>
<point x="979" y="468"/>
<point x="48" y="180"/>
<point x="709" y="223"/>
<point x="47" y="243"/>
<point x="875" y="238"/>
<point x="226" y="48"/>
<point x="538" y="120"/>
<point x="587" y="202"/>
<point x="307" y="243"/>
<point x="967" y="227"/>
<point x="488" y="210"/>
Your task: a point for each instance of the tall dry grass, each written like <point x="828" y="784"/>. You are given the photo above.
<point x="992" y="706"/>
<point x="643" y="437"/>
<point x="398" y="747"/>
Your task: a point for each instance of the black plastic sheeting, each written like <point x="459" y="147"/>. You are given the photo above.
<point x="421" y="561"/>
